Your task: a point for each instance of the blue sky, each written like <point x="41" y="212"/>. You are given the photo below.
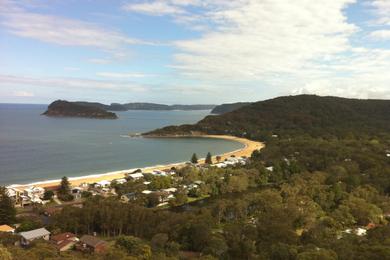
<point x="192" y="51"/>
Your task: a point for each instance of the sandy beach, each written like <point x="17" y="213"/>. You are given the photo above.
<point x="249" y="147"/>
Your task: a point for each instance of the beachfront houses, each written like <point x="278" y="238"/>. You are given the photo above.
<point x="29" y="236"/>
<point x="23" y="197"/>
<point x="232" y="161"/>
<point x="135" y="176"/>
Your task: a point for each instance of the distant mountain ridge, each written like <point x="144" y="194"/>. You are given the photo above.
<point x="145" y="106"/>
<point x="226" y="108"/>
<point x="292" y="115"/>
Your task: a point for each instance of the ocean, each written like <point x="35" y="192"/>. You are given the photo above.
<point x="38" y="148"/>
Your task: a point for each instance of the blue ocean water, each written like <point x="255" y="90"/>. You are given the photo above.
<point x="36" y="148"/>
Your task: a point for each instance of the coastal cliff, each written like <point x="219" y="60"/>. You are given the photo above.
<point x="61" y="108"/>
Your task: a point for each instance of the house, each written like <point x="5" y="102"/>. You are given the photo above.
<point x="120" y="181"/>
<point x="15" y="195"/>
<point x="91" y="244"/>
<point x="7" y="229"/>
<point x="128" y="197"/>
<point x="102" y="184"/>
<point x="76" y="192"/>
<point x="270" y="168"/>
<point x="34" y="192"/>
<point x="28" y="236"/>
<point x="220" y="165"/>
<point x="170" y="190"/>
<point x="158" y="173"/>
<point x="135" y="176"/>
<point x="64" y="241"/>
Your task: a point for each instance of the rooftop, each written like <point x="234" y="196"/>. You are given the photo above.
<point x="6" y="228"/>
<point x="91" y="240"/>
<point x="36" y="233"/>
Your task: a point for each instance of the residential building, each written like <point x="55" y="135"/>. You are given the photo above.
<point x="7" y="229"/>
<point x="128" y="197"/>
<point x="28" y="236"/>
<point x="91" y="244"/>
<point x="64" y="241"/>
<point x="136" y="176"/>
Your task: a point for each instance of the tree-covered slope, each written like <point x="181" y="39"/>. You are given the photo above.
<point x="61" y="108"/>
<point x="225" y="108"/>
<point x="291" y="115"/>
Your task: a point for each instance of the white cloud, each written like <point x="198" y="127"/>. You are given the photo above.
<point x="64" y="31"/>
<point x="256" y="38"/>
<point x="154" y="8"/>
<point x="382" y="11"/>
<point x="68" y="83"/>
<point x="286" y="46"/>
<point x="122" y="75"/>
<point x="380" y="34"/>
<point x="23" y="94"/>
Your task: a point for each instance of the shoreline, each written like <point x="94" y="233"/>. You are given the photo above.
<point x="249" y="147"/>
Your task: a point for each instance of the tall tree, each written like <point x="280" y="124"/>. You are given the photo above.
<point x="64" y="190"/>
<point x="7" y="209"/>
<point x="194" y="158"/>
<point x="64" y="187"/>
<point x="209" y="159"/>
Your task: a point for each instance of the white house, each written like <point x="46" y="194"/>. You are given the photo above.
<point x="136" y="176"/>
<point x="103" y="184"/>
<point x="28" y="236"/>
<point x="120" y="181"/>
<point x="170" y="190"/>
<point x="34" y="192"/>
<point x="158" y="173"/>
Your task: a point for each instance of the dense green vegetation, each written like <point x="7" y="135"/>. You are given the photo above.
<point x="61" y="108"/>
<point x="145" y="106"/>
<point x="225" y="108"/>
<point x="296" y="116"/>
<point x="323" y="174"/>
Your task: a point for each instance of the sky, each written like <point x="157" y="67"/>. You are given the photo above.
<point x="192" y="51"/>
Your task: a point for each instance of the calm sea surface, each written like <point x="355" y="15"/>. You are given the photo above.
<point x="36" y="148"/>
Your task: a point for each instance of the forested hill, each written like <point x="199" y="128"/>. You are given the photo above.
<point x="62" y="108"/>
<point x="303" y="114"/>
<point x="145" y="106"/>
<point x="225" y="108"/>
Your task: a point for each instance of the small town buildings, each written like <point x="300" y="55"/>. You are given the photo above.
<point x="136" y="176"/>
<point x="15" y="195"/>
<point x="120" y="181"/>
<point x="170" y="190"/>
<point x="147" y="192"/>
<point x="76" y="192"/>
<point x="64" y="241"/>
<point x="158" y="173"/>
<point x="103" y="184"/>
<point x="7" y="229"/>
<point x="34" y="192"/>
<point x="28" y="236"/>
<point x="128" y="197"/>
<point x="91" y="244"/>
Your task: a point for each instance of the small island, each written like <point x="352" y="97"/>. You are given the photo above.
<point x="62" y="108"/>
